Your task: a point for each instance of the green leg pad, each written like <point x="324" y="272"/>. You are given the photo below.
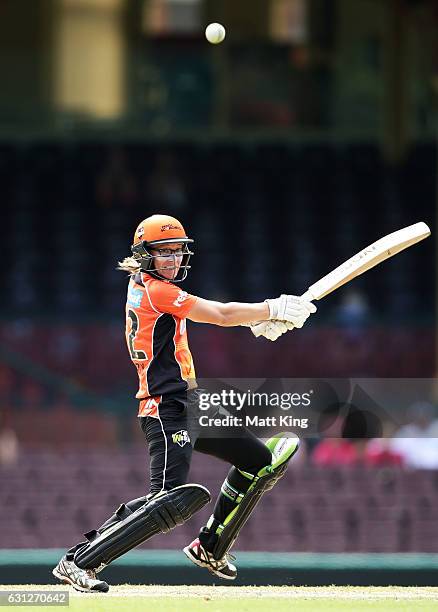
<point x="283" y="448"/>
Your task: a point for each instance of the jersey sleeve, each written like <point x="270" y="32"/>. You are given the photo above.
<point x="165" y="297"/>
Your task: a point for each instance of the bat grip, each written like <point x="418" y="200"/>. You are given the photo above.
<point x="307" y="296"/>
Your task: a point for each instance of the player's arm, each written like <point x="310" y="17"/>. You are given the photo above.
<point x="289" y="308"/>
<point x="227" y="314"/>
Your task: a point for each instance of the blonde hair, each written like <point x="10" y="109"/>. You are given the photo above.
<point x="130" y="265"/>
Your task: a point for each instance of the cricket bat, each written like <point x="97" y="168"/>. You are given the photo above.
<point x="366" y="259"/>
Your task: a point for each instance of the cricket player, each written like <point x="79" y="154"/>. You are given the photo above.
<point x="156" y="336"/>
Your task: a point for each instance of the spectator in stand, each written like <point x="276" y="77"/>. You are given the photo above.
<point x="353" y="314"/>
<point x="334" y="450"/>
<point x="378" y="454"/>
<point x="9" y="448"/>
<point x="379" y="451"/>
<point x="417" y="442"/>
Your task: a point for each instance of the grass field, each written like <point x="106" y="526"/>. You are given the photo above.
<point x="133" y="598"/>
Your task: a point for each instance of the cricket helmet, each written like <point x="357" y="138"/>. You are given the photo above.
<point x="154" y="233"/>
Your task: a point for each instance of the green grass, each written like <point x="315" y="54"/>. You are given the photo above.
<point x="140" y="604"/>
<point x="157" y="598"/>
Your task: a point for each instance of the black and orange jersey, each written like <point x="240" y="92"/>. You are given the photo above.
<point x="157" y="338"/>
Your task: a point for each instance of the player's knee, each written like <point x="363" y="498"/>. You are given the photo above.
<point x="269" y="453"/>
<point x="257" y="461"/>
<point x="170" y="483"/>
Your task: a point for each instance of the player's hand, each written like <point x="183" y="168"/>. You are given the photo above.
<point x="271" y="330"/>
<point x="290" y="308"/>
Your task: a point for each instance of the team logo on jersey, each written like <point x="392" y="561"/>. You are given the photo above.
<point x="134" y="297"/>
<point x="182" y="296"/>
<point x="181" y="437"/>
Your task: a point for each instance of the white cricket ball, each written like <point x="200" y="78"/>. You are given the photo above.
<point x="215" y="33"/>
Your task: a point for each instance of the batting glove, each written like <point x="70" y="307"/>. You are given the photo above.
<point x="291" y="308"/>
<point x="271" y="330"/>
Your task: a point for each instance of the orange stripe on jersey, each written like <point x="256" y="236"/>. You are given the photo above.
<point x="149" y="407"/>
<point x="156" y="335"/>
<point x="183" y="355"/>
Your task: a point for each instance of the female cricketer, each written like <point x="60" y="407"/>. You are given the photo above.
<point x="156" y="336"/>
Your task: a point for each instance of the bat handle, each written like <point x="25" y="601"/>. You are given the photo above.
<point x="308" y="296"/>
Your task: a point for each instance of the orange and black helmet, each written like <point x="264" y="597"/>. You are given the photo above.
<point x="154" y="232"/>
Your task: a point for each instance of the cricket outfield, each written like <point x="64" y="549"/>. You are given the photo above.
<point x="195" y="598"/>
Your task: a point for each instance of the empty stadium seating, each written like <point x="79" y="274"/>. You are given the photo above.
<point x="50" y="500"/>
<point x="260" y="214"/>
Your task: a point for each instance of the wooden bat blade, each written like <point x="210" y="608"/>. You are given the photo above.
<point x="366" y="259"/>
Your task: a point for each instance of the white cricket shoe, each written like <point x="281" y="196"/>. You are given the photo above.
<point x="80" y="579"/>
<point x="201" y="557"/>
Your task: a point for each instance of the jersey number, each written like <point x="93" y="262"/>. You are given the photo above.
<point x="131" y="337"/>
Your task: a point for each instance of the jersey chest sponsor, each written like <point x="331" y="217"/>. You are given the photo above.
<point x="134" y="297"/>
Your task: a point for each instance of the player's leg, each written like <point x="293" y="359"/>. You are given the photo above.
<point x="247" y="455"/>
<point x="170" y="454"/>
<point x="245" y="483"/>
<point x="250" y="454"/>
<point x="256" y="468"/>
<point x="169" y="503"/>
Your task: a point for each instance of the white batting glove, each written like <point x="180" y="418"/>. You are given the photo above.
<point x="271" y="330"/>
<point x="290" y="326"/>
<point x="291" y="308"/>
